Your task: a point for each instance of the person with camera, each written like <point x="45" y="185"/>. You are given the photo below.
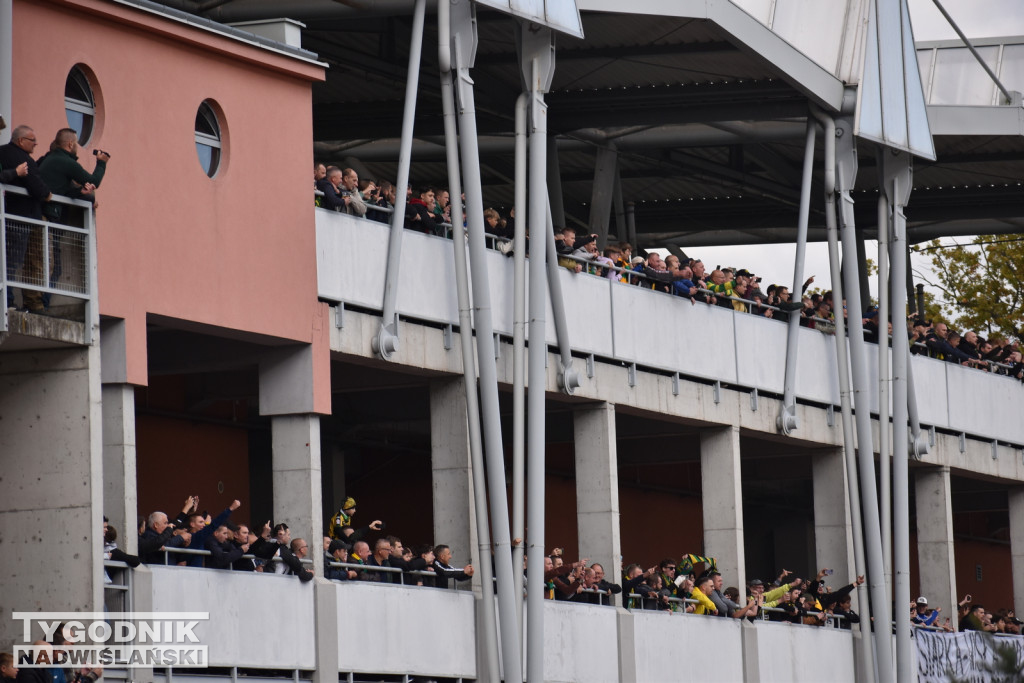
<point x="355" y="205"/>
<point x="63" y="174"/>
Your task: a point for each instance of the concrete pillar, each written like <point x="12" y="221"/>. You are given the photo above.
<point x="935" y="541"/>
<point x="602" y="193"/>
<point x="452" y="476"/>
<point x="722" y="498"/>
<point x="833" y="534"/>
<point x="325" y="611"/>
<point x="597" y="488"/>
<point x="1016" y="496"/>
<point x="120" y="492"/>
<point x="51" y="489"/>
<point x="295" y="440"/>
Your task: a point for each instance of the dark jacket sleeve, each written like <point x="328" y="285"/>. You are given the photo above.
<point x="9" y="176"/>
<point x="149" y="543"/>
<point x="219" y="557"/>
<point x="331" y="200"/>
<point x="295" y="565"/>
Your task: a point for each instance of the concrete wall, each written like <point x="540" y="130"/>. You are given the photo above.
<point x="678" y="647"/>
<point x="429" y="632"/>
<point x="51" y="485"/>
<point x="946" y="393"/>
<point x="256" y="620"/>
<point x="392" y="629"/>
<point x="795" y="653"/>
<point x="580" y="643"/>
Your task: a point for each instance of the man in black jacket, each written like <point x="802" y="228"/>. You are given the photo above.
<point x="444" y="571"/>
<point x="222" y="551"/>
<point x="12" y="155"/>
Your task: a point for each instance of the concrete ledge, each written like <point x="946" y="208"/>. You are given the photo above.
<point x="35" y="331"/>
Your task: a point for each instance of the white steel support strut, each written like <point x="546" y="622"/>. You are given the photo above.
<point x="464" y="39"/>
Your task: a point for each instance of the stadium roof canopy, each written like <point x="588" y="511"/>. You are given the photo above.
<point x="705" y="103"/>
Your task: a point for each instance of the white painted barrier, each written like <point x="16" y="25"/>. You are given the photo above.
<point x="256" y="620"/>
<point x="793" y="653"/>
<point x="580" y="643"/>
<point x="393" y="629"/>
<point x="684" y="648"/>
<point x="633" y="325"/>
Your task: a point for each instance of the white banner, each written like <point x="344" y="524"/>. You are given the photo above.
<point x="968" y="656"/>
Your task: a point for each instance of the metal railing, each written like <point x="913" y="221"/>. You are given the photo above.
<point x="831" y="620"/>
<point x="48" y="257"/>
<point x="307" y="561"/>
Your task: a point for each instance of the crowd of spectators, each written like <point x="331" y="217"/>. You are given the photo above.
<point x="55" y="173"/>
<point x="428" y="210"/>
<point x="366" y="553"/>
<point x="227" y="544"/>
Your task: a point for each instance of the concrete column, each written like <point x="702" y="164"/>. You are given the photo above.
<point x="120" y="492"/>
<point x="51" y="490"/>
<point x="295" y="440"/>
<point x="602" y="193"/>
<point x="325" y="611"/>
<point x="1016" y="496"/>
<point x="935" y="541"/>
<point x="597" y="488"/>
<point x="454" y="512"/>
<point x="833" y="534"/>
<point x="722" y="498"/>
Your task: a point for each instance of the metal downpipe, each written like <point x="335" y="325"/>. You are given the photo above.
<point x="845" y="173"/>
<point x="897" y="187"/>
<point x="385" y="343"/>
<point x="537" y="384"/>
<point x="787" y="421"/>
<point x="463" y="30"/>
<point x="843" y="365"/>
<point x="884" y="461"/>
<point x="488" y="622"/>
<point x="519" y="357"/>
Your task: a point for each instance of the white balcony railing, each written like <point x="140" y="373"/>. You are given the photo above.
<point x="629" y="324"/>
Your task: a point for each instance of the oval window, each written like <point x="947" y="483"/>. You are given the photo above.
<point x="208" y="138"/>
<point x="80" y="104"/>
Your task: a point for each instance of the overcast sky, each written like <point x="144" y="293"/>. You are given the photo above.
<point x="978" y="19"/>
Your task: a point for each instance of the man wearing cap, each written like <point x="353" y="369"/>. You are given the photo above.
<point x="922" y="615"/>
<point x="337" y="551"/>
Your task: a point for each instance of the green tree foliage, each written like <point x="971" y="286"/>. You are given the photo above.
<point x="979" y="283"/>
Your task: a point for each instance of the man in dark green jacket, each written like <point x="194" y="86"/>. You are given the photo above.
<point x="64" y="175"/>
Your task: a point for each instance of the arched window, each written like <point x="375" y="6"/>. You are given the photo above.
<point x="80" y="103"/>
<point x="208" y="139"/>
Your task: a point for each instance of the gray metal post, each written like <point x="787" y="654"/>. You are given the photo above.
<point x="488" y="623"/>
<point x="846" y="171"/>
<point x="621" y="228"/>
<point x="605" y="162"/>
<point x="918" y="439"/>
<point x="787" y="421"/>
<point x="897" y="174"/>
<point x="554" y="184"/>
<point x="6" y="71"/>
<point x="631" y="225"/>
<point x="568" y="378"/>
<point x="385" y="342"/>
<point x="463" y="24"/>
<point x="519" y="358"/>
<point x="884" y="462"/>
<point x="843" y="366"/>
<point x="537" y="65"/>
